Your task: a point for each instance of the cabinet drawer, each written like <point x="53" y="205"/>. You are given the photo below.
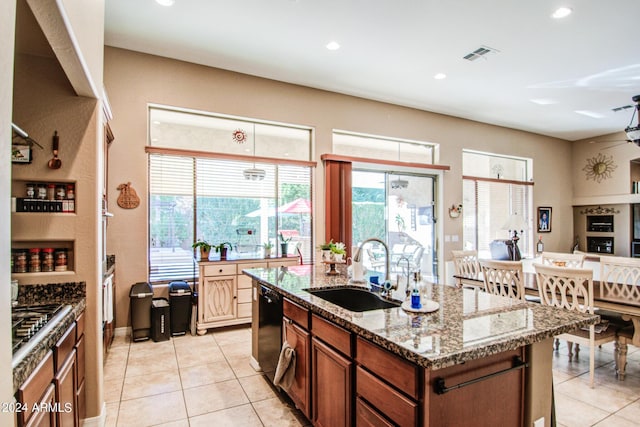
<point x="64" y="347"/>
<point x="80" y="326"/>
<point x="220" y="270"/>
<point x="332" y="334"/>
<point x="80" y="359"/>
<point x="400" y="409"/>
<point x="244" y="281"/>
<point x="35" y="386"/>
<point x="284" y="262"/>
<point x="395" y="370"/>
<point x="245" y="265"/>
<point x="244" y="295"/>
<point x="298" y="314"/>
<point x="366" y="416"/>
<point x="244" y="310"/>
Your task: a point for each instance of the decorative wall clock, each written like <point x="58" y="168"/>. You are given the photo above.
<point x="599" y="168"/>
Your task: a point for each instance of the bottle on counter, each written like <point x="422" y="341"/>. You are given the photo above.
<point x="539" y="245"/>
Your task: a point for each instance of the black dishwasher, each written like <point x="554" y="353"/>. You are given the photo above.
<point x="269" y="330"/>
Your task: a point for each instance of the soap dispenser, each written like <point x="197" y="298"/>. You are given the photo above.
<point x="415" y="293"/>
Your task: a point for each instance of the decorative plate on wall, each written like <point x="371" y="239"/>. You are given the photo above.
<point x="600" y="167"/>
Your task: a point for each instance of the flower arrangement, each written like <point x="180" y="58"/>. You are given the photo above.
<point x="338" y="248"/>
<point x="326" y="246"/>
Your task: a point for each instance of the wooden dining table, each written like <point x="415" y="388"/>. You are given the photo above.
<point x="628" y="309"/>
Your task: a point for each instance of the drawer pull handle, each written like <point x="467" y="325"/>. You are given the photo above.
<point x="440" y="388"/>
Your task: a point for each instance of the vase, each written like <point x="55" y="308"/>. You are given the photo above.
<point x="284" y="249"/>
<point x="267" y="252"/>
<point x="326" y="255"/>
<point x="204" y="254"/>
<point x="223" y="253"/>
<point x="337" y="257"/>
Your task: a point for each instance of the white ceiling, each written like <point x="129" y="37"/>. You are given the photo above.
<point x="391" y="49"/>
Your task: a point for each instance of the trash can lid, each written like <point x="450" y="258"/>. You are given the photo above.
<point x="179" y="287"/>
<point x="141" y="290"/>
<point x="160" y="302"/>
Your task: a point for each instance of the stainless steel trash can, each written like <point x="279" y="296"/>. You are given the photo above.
<point x="141" y="295"/>
<point x="180" y="301"/>
<point x="160" y="315"/>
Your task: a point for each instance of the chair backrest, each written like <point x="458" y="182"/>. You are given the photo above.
<point x="565" y="287"/>
<point x="466" y="264"/>
<point x="620" y="278"/>
<point x="559" y="259"/>
<point x="503" y="278"/>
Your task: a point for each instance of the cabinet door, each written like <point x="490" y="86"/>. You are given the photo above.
<point x="65" y="382"/>
<point x="332" y="391"/>
<point x="46" y="417"/>
<point x="220" y="300"/>
<point x="366" y="416"/>
<point x="300" y="341"/>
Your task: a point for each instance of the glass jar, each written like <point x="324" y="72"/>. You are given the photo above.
<point x="51" y="191"/>
<point x="61" y="192"/>
<point x="34" y="260"/>
<point x="71" y="191"/>
<point x="31" y="190"/>
<point x="60" y="256"/>
<point x="42" y="192"/>
<point x="48" y="263"/>
<point x="20" y="261"/>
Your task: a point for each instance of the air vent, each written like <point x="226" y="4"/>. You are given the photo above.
<point x="480" y="52"/>
<point x="625" y="107"/>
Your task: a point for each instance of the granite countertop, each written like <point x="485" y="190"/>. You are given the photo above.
<point x="29" y="295"/>
<point x="470" y="324"/>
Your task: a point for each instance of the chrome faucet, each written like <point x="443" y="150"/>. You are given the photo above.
<point x="386" y="288"/>
<point x="406" y="291"/>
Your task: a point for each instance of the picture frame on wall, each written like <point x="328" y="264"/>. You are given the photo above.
<point x="20" y="153"/>
<point x="544" y="219"/>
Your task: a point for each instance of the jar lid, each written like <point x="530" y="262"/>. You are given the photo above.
<point x="51" y="185"/>
<point x="34" y="250"/>
<point x="47" y="250"/>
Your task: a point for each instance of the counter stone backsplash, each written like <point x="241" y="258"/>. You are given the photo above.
<point x="51" y="293"/>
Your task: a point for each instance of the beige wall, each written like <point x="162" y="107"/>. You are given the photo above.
<point x="133" y="80"/>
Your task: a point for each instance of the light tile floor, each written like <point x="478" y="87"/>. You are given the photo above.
<point x="207" y="380"/>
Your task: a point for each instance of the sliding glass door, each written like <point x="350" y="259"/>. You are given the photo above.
<point x="397" y="208"/>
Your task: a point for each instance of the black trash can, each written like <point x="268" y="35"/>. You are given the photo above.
<point x="180" y="301"/>
<point x="140" y="297"/>
<point x="160" y="315"/>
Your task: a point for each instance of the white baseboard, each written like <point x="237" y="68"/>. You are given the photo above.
<point x="98" y="421"/>
<point x="255" y="365"/>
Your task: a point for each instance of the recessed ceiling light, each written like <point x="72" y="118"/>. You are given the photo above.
<point x="165" y="2"/>
<point x="333" y="45"/>
<point x="591" y="114"/>
<point x="562" y="12"/>
<point x="544" y="101"/>
<point x="440" y="76"/>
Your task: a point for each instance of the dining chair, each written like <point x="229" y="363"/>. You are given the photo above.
<point x="504" y="278"/>
<point x="467" y="269"/>
<point x="572" y="289"/>
<point x="620" y="279"/>
<point x="560" y="259"/>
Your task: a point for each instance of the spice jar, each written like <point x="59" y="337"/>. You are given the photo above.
<point x="51" y="191"/>
<point x="34" y="260"/>
<point x="60" y="256"/>
<point x="61" y="192"/>
<point x="20" y="261"/>
<point x="42" y="192"/>
<point x="31" y="191"/>
<point x="71" y="191"/>
<point x="47" y="259"/>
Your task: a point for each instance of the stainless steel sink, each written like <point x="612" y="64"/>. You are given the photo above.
<point x="354" y="299"/>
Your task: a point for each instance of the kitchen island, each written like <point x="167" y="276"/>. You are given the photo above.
<point x="479" y="359"/>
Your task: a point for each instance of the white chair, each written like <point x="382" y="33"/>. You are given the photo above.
<point x="504" y="278"/>
<point x="467" y="269"/>
<point x="620" y="279"/>
<point x="559" y="259"/>
<point x="572" y="289"/>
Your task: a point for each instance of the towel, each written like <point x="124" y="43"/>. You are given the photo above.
<point x="286" y="369"/>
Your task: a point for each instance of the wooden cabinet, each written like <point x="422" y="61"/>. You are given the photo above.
<point x="81" y="400"/>
<point x="331" y="386"/>
<point x="224" y="292"/>
<point x="65" y="383"/>
<point x="36" y="389"/>
<point x="45" y="418"/>
<point x="295" y="332"/>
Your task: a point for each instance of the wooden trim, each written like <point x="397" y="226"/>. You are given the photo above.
<point x="501" y="181"/>
<point x="350" y="159"/>
<point x="338" y="206"/>
<point x="225" y="156"/>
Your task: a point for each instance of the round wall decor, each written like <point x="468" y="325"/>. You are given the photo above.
<point x="600" y="167"/>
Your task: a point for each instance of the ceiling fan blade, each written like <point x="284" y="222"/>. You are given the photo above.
<point x="620" y="142"/>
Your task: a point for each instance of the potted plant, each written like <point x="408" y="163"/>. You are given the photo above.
<point x="338" y="251"/>
<point x="326" y="250"/>
<point x="222" y="248"/>
<point x="268" y="246"/>
<point x="284" y="244"/>
<point x="205" y="248"/>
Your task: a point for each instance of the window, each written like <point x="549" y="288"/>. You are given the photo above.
<point x="204" y="194"/>
<point x="375" y="147"/>
<point x="495" y="188"/>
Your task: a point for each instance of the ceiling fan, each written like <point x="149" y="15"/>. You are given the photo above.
<point x="632" y="132"/>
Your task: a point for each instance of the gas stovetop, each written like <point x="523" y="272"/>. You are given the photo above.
<point x="31" y="324"/>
